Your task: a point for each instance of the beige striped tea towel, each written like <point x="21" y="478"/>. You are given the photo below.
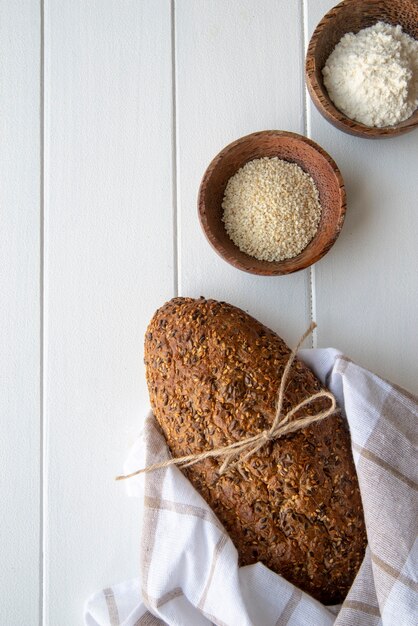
<point x="188" y="574"/>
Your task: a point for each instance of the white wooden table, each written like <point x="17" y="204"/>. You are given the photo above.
<point x="110" y="112"/>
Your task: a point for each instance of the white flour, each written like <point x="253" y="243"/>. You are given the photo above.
<point x="372" y="77"/>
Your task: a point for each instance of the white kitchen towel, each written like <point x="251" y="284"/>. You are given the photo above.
<point x="188" y="570"/>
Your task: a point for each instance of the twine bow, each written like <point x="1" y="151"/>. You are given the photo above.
<point x="239" y="451"/>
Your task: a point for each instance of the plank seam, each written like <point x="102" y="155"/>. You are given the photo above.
<point x="175" y="217"/>
<point x="41" y="307"/>
<point x="307" y="132"/>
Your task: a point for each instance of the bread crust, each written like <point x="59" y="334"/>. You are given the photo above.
<point x="213" y="374"/>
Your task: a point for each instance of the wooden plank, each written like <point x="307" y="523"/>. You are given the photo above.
<point x="20" y="217"/>
<point x="109" y="265"/>
<point x="366" y="287"/>
<point x="239" y="70"/>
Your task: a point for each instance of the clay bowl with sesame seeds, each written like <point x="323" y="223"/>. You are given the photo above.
<point x="285" y="146"/>
<point x="351" y="16"/>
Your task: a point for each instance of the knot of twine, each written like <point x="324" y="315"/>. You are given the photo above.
<point x="239" y="451"/>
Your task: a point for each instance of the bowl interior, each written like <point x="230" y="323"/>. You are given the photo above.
<point x="353" y="16"/>
<point x="291" y="148"/>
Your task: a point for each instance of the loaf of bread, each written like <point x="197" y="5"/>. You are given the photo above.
<point x="213" y="375"/>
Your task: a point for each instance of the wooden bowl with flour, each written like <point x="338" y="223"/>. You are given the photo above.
<point x="351" y="16"/>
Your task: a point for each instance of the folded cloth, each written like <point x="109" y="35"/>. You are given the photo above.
<point x="189" y="572"/>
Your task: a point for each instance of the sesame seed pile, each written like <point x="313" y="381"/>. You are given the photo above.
<point x="271" y="209"/>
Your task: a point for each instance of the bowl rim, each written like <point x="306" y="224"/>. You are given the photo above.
<point x="325" y="105"/>
<point x="272" y="268"/>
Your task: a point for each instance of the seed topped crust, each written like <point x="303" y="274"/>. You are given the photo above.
<point x="213" y="375"/>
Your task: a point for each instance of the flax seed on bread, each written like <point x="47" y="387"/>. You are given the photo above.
<point x="213" y="374"/>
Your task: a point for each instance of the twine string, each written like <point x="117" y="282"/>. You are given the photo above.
<point x="240" y="451"/>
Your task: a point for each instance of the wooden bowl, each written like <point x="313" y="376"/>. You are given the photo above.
<point x="352" y="16"/>
<point x="290" y="147"/>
